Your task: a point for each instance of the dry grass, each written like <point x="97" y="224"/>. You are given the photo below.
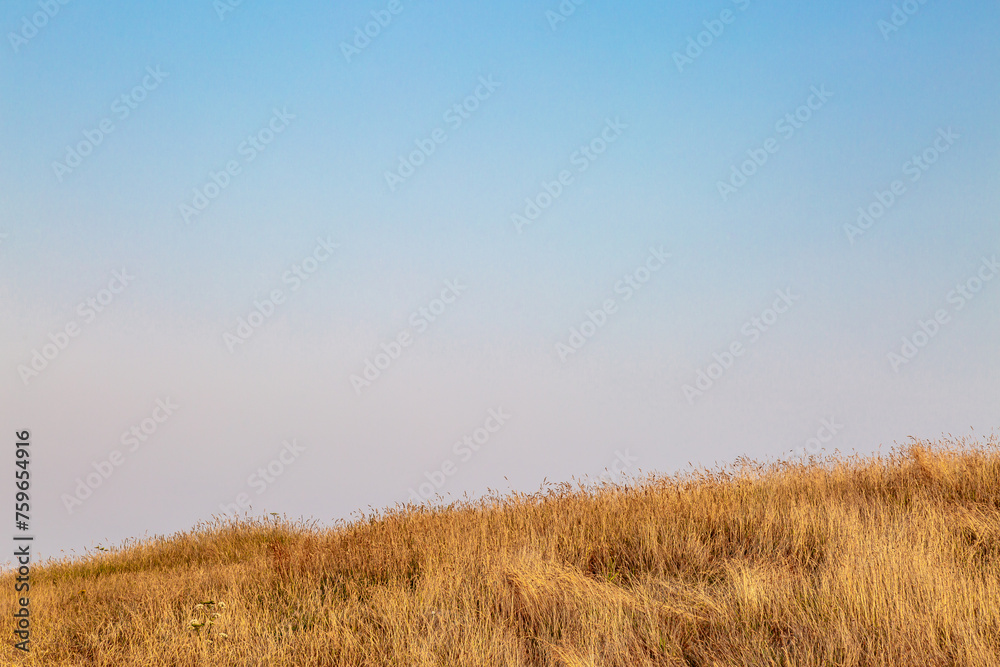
<point x="883" y="561"/>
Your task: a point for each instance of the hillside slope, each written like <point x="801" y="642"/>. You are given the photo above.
<point x="892" y="560"/>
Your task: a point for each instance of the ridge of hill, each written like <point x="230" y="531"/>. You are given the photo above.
<point x="883" y="560"/>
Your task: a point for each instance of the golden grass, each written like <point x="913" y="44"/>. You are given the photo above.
<point x="891" y="560"/>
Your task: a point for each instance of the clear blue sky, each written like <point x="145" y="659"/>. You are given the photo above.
<point x="663" y="122"/>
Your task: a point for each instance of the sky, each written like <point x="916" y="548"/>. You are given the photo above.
<point x="316" y="260"/>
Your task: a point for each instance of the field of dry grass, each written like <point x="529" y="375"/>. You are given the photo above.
<point x="889" y="561"/>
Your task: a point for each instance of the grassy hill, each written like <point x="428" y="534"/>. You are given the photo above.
<point x="891" y="560"/>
